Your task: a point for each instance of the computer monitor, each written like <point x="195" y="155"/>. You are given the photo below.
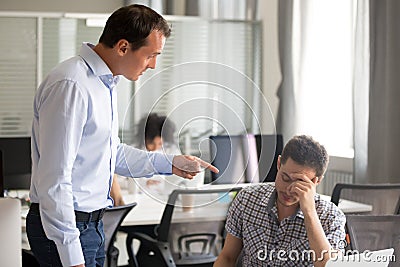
<point x="15" y="163"/>
<point x="269" y="147"/>
<point x="236" y="158"/>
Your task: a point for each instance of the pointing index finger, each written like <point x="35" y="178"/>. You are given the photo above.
<point x="207" y="165"/>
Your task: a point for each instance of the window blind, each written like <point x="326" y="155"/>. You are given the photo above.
<point x="233" y="49"/>
<point x="229" y="45"/>
<point x="17" y="75"/>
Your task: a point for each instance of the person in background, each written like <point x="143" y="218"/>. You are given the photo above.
<point x="75" y="144"/>
<point x="154" y="133"/>
<point x="286" y="223"/>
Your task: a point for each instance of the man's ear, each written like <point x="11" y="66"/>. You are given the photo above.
<point x="122" y="47"/>
<point x="278" y="162"/>
<point x="319" y="179"/>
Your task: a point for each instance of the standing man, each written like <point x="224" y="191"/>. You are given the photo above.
<point x="286" y="223"/>
<point x="75" y="144"/>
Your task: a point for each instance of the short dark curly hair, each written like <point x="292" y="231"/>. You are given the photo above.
<point x="152" y="126"/>
<point x="304" y="150"/>
<point x="133" y="23"/>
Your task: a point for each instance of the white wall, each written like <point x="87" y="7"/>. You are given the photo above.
<point x="81" y="6"/>
<point x="268" y="13"/>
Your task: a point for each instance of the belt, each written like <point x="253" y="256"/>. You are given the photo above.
<point x="80" y="216"/>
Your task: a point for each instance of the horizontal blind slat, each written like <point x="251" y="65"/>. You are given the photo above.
<point x="17" y="75"/>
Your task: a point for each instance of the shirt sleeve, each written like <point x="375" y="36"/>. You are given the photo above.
<point x="334" y="227"/>
<point x="61" y="115"/>
<point x="133" y="162"/>
<point x="234" y="222"/>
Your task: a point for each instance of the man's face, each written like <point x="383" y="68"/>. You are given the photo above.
<point x="290" y="173"/>
<point x="134" y="63"/>
<point x="155" y="144"/>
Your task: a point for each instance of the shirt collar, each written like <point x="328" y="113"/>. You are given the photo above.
<point x="97" y="65"/>
<point x="269" y="202"/>
<point x="93" y="60"/>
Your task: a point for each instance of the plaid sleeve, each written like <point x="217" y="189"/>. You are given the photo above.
<point x="334" y="227"/>
<point x="234" y="221"/>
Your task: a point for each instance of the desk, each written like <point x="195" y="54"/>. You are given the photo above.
<point x="147" y="214"/>
<point x="348" y="206"/>
<point x="149" y="210"/>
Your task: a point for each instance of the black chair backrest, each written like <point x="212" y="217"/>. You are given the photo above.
<point x="374" y="232"/>
<point x="384" y="198"/>
<point x="195" y="229"/>
<point x="112" y="219"/>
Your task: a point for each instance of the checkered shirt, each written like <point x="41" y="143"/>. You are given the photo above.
<point x="253" y="217"/>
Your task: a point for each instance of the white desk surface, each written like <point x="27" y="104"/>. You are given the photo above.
<point x="348" y="206"/>
<point x="149" y="210"/>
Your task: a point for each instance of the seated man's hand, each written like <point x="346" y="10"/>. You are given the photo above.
<point x="188" y="166"/>
<point x="304" y="189"/>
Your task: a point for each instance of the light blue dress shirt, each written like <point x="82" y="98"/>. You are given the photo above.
<point x="76" y="149"/>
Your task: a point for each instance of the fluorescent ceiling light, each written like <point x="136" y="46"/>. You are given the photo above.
<point x="96" y="22"/>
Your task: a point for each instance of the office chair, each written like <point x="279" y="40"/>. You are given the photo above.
<point x="112" y="219"/>
<point x="28" y="259"/>
<point x="384" y="198"/>
<point x="374" y="232"/>
<point x="189" y="234"/>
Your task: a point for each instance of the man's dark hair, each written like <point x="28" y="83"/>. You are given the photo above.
<point x="152" y="126"/>
<point x="133" y="23"/>
<point x="304" y="150"/>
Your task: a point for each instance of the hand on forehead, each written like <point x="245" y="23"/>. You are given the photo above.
<point x="301" y="176"/>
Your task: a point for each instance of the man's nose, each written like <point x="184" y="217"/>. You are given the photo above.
<point x="152" y="63"/>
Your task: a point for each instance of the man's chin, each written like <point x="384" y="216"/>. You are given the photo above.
<point x="133" y="79"/>
<point x="288" y="202"/>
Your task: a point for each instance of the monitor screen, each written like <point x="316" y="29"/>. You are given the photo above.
<point x="16" y="164"/>
<point x="236" y="158"/>
<point x="269" y="147"/>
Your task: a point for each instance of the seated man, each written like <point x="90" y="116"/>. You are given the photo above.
<point x="286" y="224"/>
